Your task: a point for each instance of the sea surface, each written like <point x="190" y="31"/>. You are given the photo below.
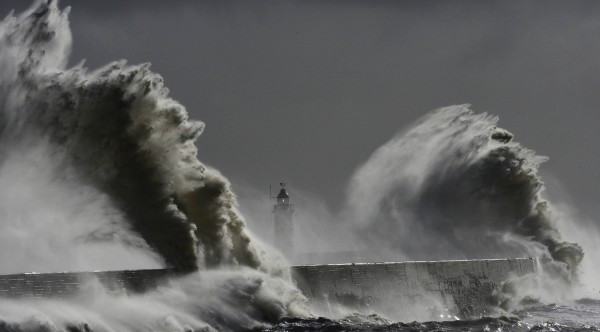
<point x="581" y="315"/>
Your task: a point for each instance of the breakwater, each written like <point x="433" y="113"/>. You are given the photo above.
<point x="455" y="288"/>
<point x="67" y="284"/>
<point x="462" y="288"/>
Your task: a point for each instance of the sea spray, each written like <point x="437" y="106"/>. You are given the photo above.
<point x="457" y="186"/>
<point x="54" y="221"/>
<point x="118" y="131"/>
<point x="114" y="134"/>
<point x="224" y="300"/>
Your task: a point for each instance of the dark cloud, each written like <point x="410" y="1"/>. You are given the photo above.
<point x="306" y="90"/>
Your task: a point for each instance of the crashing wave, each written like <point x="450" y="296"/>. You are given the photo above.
<point x="119" y="156"/>
<point x="457" y="186"/>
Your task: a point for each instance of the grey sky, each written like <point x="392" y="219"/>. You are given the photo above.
<point x="304" y="91"/>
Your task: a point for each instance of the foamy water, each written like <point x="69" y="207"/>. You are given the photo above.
<point x="581" y="315"/>
<point x="98" y="170"/>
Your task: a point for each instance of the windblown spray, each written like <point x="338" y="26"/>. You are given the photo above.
<point x="106" y="160"/>
<point x="118" y="131"/>
<point x="119" y="155"/>
<point x="457" y="186"/>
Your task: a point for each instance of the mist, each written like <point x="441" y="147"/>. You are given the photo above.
<point x="453" y="185"/>
<point x="225" y="300"/>
<point x="99" y="170"/>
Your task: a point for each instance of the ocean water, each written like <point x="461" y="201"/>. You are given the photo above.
<point x="99" y="171"/>
<point x="581" y="315"/>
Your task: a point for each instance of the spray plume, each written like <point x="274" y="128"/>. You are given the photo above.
<point x="119" y="156"/>
<point x="116" y="130"/>
<point x="106" y="160"/>
<point x="457" y="186"/>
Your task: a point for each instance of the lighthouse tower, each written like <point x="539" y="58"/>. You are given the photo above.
<point x="284" y="226"/>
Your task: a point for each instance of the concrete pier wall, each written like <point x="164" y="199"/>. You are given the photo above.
<point x="41" y="285"/>
<point x="464" y="287"/>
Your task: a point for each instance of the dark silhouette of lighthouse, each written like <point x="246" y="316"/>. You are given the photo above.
<point x="284" y="224"/>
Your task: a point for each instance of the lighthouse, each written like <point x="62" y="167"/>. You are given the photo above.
<point x="283" y="223"/>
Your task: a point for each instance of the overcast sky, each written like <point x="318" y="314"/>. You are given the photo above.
<point x="305" y="91"/>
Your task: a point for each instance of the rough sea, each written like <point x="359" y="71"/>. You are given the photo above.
<point x="581" y="315"/>
<point x="99" y="171"/>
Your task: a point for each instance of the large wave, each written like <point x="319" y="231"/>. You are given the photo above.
<point x="457" y="186"/>
<point x="98" y="167"/>
<point x="116" y="130"/>
<point x="99" y="171"/>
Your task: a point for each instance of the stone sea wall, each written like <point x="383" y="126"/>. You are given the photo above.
<point x="464" y="287"/>
<point x="66" y="284"/>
